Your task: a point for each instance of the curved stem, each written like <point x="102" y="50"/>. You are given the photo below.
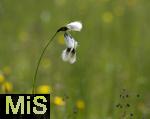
<point x="39" y="61"/>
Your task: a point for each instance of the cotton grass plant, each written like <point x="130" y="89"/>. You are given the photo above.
<point x="69" y="54"/>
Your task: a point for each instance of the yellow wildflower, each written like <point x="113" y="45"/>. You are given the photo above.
<point x="59" y="101"/>
<point x="80" y="104"/>
<point x="7" y="87"/>
<point x="44" y="89"/>
<point x="107" y="17"/>
<point x="2" y="78"/>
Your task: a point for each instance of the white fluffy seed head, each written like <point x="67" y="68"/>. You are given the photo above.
<point x="68" y="56"/>
<point x="72" y="59"/>
<point x="65" y="55"/>
<point x="70" y="41"/>
<point x="74" y="26"/>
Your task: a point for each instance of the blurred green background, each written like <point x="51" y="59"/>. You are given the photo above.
<point x="113" y="57"/>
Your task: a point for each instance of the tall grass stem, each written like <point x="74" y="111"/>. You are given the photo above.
<point x="39" y="61"/>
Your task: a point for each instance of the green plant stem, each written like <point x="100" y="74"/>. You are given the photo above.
<point x="39" y="61"/>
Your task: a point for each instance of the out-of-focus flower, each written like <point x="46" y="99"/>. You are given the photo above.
<point x="44" y="89"/>
<point x="7" y="87"/>
<point x="2" y="78"/>
<point x="69" y="54"/>
<point x="59" y="101"/>
<point x="107" y="17"/>
<point x="73" y="26"/>
<point x="80" y="104"/>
